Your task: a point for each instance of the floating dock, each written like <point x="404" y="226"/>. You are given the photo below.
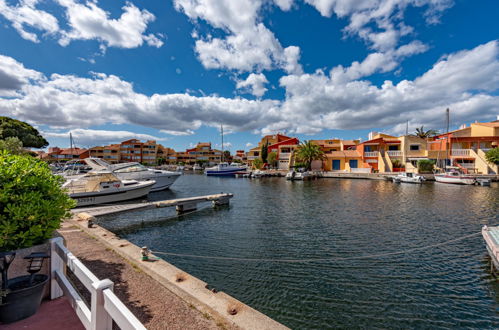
<point x="182" y="205"/>
<point x="491" y="236"/>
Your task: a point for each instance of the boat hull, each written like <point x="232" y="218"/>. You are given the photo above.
<point x="94" y="198"/>
<point x="223" y="172"/>
<point x="163" y="179"/>
<point x="454" y="180"/>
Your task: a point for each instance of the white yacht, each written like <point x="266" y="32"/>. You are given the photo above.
<point x="408" y="178"/>
<point x="224" y="169"/>
<point x="129" y="171"/>
<point x="103" y="187"/>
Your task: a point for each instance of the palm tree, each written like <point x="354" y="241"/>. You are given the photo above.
<point x="307" y="152"/>
<point x="420" y="132"/>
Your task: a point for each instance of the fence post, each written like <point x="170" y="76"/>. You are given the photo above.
<point x="56" y="263"/>
<point x="100" y="320"/>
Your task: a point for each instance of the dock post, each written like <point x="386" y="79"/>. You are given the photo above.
<point x="221" y="201"/>
<point x="186" y="207"/>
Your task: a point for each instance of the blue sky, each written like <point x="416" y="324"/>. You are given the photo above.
<point x="175" y="70"/>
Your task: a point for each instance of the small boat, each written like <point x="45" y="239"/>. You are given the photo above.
<point x="105" y="187"/>
<point x="408" y="178"/>
<point x="454" y="177"/>
<point x="258" y="174"/>
<point x="223" y="169"/>
<point x="180" y="168"/>
<point x="197" y="167"/>
<point x="293" y="175"/>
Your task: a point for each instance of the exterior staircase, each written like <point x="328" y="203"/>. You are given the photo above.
<point x="482" y="164"/>
<point x="384" y="162"/>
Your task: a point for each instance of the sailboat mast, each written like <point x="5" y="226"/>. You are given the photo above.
<point x="447" y="112"/>
<point x="222" y="132"/>
<point x="71" y="144"/>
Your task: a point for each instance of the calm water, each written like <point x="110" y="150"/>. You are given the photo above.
<point x="443" y="287"/>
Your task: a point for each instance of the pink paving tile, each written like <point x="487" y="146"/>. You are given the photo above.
<point x="53" y="315"/>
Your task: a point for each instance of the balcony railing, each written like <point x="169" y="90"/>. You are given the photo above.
<point x="394" y="153"/>
<point x="371" y="154"/>
<point x="467" y="165"/>
<point x="461" y="152"/>
<point x="284" y="155"/>
<point x="253" y="157"/>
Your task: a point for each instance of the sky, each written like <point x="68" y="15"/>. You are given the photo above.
<point x="176" y="70"/>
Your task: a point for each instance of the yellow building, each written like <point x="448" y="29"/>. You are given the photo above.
<point x="340" y="155"/>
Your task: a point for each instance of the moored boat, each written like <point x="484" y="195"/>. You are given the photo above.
<point x="454" y="177"/>
<point x="224" y="169"/>
<point x="408" y="178"/>
<point x="104" y="187"/>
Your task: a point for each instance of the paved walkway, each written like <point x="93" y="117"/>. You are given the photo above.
<point x="45" y="318"/>
<point x="153" y="304"/>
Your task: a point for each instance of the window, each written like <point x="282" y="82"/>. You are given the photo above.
<point x="414" y="147"/>
<point x="393" y="147"/>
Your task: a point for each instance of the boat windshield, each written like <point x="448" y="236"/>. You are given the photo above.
<point x="132" y="168"/>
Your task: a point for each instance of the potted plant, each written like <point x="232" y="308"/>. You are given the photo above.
<point x="32" y="205"/>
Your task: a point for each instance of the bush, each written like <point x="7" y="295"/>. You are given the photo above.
<point x="397" y="164"/>
<point x="32" y="203"/>
<point x="257" y="163"/>
<point x="492" y="156"/>
<point x="425" y="165"/>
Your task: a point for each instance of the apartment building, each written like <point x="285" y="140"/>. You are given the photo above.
<point x="56" y="154"/>
<point x="339" y="155"/>
<point x="202" y="152"/>
<point x="281" y="144"/>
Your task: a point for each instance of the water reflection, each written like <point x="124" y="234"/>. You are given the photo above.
<point x="444" y="287"/>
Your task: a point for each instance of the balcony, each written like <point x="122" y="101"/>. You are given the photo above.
<point x="371" y="154"/>
<point x="253" y="157"/>
<point x="394" y="153"/>
<point x="467" y="165"/>
<point x="461" y="152"/>
<point x="284" y="155"/>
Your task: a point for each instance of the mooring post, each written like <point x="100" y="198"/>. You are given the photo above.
<point x="186" y="207"/>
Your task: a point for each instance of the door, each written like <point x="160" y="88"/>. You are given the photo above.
<point x="336" y="164"/>
<point x="353" y="163"/>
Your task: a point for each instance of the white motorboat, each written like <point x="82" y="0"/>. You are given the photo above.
<point x="102" y="187"/>
<point x="197" y="167"/>
<point x="257" y="174"/>
<point x="127" y="171"/>
<point x="408" y="178"/>
<point x="454" y="177"/>
<point x="294" y="175"/>
<point x="224" y="169"/>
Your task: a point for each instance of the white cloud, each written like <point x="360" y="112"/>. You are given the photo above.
<point x="248" y="45"/>
<point x="466" y="81"/>
<point x="92" y="137"/>
<point x="254" y="84"/>
<point x="13" y="76"/>
<point x="249" y="145"/>
<point x="284" y="5"/>
<point x="387" y="16"/>
<point x="178" y="133"/>
<point x="25" y="15"/>
<point x="89" y="22"/>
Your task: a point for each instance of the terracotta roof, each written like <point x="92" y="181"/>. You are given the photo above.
<point x="74" y="151"/>
<point x="350" y="142"/>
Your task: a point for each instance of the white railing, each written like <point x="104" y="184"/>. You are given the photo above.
<point x="461" y="152"/>
<point x="104" y="305"/>
<point x="253" y="157"/>
<point x="467" y="165"/>
<point x="371" y="154"/>
<point x="284" y="155"/>
<point x="394" y="153"/>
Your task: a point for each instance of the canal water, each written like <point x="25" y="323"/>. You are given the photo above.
<point x="343" y="221"/>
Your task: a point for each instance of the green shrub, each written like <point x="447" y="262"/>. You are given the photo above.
<point x="32" y="203"/>
<point x="425" y="165"/>
<point x="257" y="163"/>
<point x="492" y="156"/>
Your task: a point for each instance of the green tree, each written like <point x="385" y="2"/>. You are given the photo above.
<point x="307" y="152"/>
<point x="425" y="165"/>
<point x="32" y="203"/>
<point x="29" y="136"/>
<point x="492" y="156"/>
<point x="13" y="145"/>
<point x="227" y="156"/>
<point x="272" y="159"/>
<point x="264" y="152"/>
<point x="420" y="132"/>
<point x="257" y="163"/>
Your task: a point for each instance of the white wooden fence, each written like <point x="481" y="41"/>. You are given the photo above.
<point x="104" y="306"/>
